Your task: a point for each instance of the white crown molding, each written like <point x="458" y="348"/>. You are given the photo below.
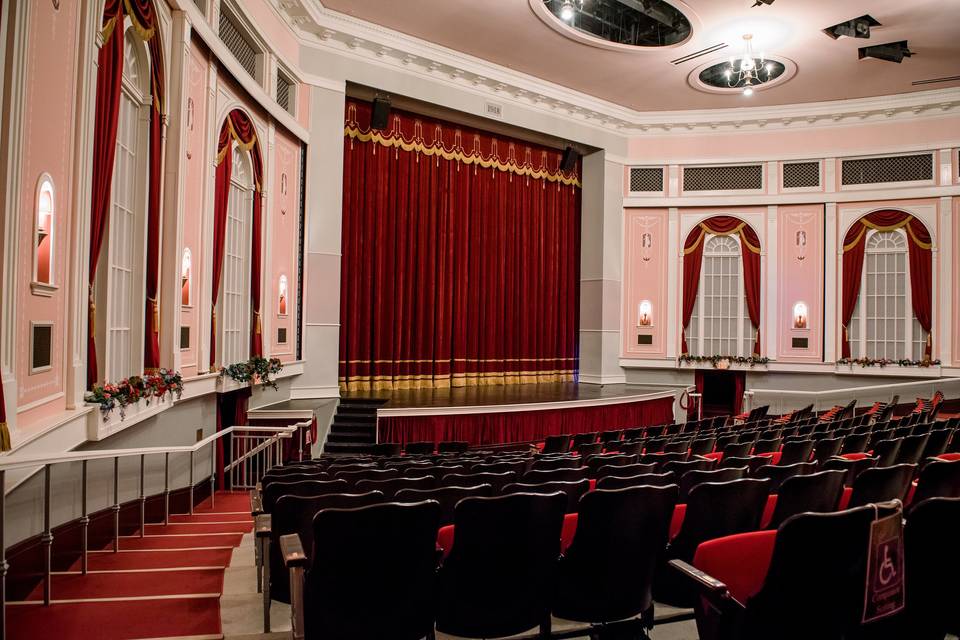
<point x="317" y="26"/>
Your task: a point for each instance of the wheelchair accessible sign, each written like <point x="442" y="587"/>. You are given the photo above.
<point x="885" y="584"/>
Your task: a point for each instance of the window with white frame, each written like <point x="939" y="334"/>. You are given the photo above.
<point x="234" y="313"/>
<point x="883" y="325"/>
<point x="720" y="323"/>
<point x="120" y="277"/>
<point x="43" y="230"/>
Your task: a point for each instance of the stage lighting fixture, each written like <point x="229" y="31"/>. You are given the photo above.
<point x="856" y="28"/>
<point x="569" y="160"/>
<point x="381" y="113"/>
<point x="891" y="51"/>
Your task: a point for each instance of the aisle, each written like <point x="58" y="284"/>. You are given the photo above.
<point x="166" y="584"/>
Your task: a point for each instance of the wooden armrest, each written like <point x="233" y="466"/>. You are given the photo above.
<point x="262" y="525"/>
<point x="256" y="503"/>
<point x="705" y="582"/>
<point x="292" y="551"/>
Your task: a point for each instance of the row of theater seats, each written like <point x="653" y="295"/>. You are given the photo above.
<point x="702" y="499"/>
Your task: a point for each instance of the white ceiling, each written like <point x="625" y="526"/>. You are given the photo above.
<point x="509" y="33"/>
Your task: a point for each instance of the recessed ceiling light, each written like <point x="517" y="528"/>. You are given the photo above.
<point x="567" y="11"/>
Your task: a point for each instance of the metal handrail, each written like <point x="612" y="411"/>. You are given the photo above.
<point x="46" y="463"/>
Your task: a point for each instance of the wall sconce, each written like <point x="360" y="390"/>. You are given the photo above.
<point x="644" y="314"/>
<point x="800" y="316"/>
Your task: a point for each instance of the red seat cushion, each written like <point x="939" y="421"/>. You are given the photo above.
<point x="593" y="484"/>
<point x="768" y="510"/>
<point x="676" y="521"/>
<point x="445" y="539"/>
<point x="855" y="456"/>
<point x="716" y="455"/>
<point x="740" y="561"/>
<point x="845" y="498"/>
<point x="949" y="457"/>
<point x="568" y="531"/>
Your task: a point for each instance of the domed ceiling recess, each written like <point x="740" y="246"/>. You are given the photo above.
<point x="663" y="55"/>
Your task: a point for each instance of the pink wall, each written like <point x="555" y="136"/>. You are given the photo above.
<point x="284" y="224"/>
<point x="273" y="29"/>
<point x="47" y="134"/>
<point x="194" y="201"/>
<point x="645" y="278"/>
<point x="795" y="141"/>
<point x="956" y="279"/>
<point x="800" y="279"/>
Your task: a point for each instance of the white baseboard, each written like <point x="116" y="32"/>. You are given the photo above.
<point x="587" y="378"/>
<point x="300" y="393"/>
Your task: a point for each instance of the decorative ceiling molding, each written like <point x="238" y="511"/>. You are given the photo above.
<point x="320" y="27"/>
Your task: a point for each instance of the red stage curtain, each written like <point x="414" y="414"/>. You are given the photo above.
<point x="460" y="258"/>
<point x="240" y="128"/>
<point x="919" y="244"/>
<point x="109" y="78"/>
<point x="524" y="426"/>
<point x="693" y="259"/>
<point x="4" y="429"/>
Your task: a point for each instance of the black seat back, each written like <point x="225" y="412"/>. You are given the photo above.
<point x="273" y="491"/>
<point x="814" y="587"/>
<point x="778" y="473"/>
<point x="702" y="445"/>
<point x="584" y="438"/>
<point x="852" y="468"/>
<point x="391" y="486"/>
<point x="938" y="479"/>
<point x="388" y="553"/>
<point x="294" y="514"/>
<point x="660" y="459"/>
<point x="881" y="484"/>
<point x="559" y="462"/>
<point x="911" y="449"/>
<point x="751" y="462"/>
<point x="682" y="467"/>
<point x="515" y="466"/>
<point x="418" y="448"/>
<point x="886" y="451"/>
<point x="453" y="446"/>
<point x="649" y="479"/>
<point x="447" y="497"/>
<point x="737" y="449"/>
<point x="593" y="463"/>
<point x="936" y="443"/>
<point x="498" y="578"/>
<point x="353" y="477"/>
<point x="573" y="490"/>
<point x="556" y="444"/>
<point x="537" y="476"/>
<point x="589" y="449"/>
<point x="624" y="470"/>
<point x="496" y="480"/>
<point x="691" y="479"/>
<point x="607" y="572"/>
<point x="930" y="550"/>
<point x="769" y="445"/>
<point x="855" y="443"/>
<point x="826" y="448"/>
<point x="816" y="492"/>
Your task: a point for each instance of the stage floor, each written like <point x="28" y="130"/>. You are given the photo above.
<point x="486" y="396"/>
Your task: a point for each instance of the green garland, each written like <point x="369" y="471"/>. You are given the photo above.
<point x="883" y="362"/>
<point x="255" y="370"/>
<point x="715" y="360"/>
<point x="131" y="390"/>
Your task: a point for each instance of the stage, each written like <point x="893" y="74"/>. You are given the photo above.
<point x="500" y="414"/>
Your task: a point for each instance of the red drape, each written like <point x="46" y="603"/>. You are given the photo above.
<point x="231" y="412"/>
<point x="524" y="426"/>
<point x="4" y="429"/>
<point x="240" y="128"/>
<point x="921" y="269"/>
<point x="109" y="78"/>
<point x="693" y="259"/>
<point x="460" y="257"/>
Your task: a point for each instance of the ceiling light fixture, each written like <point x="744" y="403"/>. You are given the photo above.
<point x="568" y="10"/>
<point x="749" y="70"/>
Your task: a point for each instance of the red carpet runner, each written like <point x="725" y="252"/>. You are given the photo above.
<point x="164" y="585"/>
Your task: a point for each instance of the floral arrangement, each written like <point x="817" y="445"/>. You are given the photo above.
<point x="255" y="370"/>
<point x="884" y="362"/>
<point x="149" y="386"/>
<point x="723" y="362"/>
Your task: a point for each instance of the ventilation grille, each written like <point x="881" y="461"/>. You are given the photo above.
<point x="797" y="175"/>
<point x="745" y="177"/>
<point x="284" y="91"/>
<point x="887" y="169"/>
<point x="40" y="347"/>
<point x="184" y="337"/>
<point x="238" y="45"/>
<point x="282" y="335"/>
<point x="646" y="179"/>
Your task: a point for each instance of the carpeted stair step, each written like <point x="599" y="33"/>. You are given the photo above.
<point x="132" y="584"/>
<point x="343" y="448"/>
<point x="349" y="438"/>
<point x="152" y="559"/>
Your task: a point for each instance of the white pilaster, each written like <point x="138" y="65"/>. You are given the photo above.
<point x="770" y="312"/>
<point x="831" y="262"/>
<point x="943" y="273"/>
<point x="211" y="129"/>
<point x="674" y="288"/>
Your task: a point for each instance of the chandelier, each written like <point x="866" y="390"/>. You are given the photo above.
<point x="749" y="71"/>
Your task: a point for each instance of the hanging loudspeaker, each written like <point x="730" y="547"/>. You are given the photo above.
<point x="381" y="113"/>
<point x="569" y="160"/>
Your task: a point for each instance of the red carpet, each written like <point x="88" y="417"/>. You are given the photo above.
<point x="166" y="584"/>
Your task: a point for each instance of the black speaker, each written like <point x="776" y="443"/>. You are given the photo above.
<point x="569" y="160"/>
<point x="381" y="113"/>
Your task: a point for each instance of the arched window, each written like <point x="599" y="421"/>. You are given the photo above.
<point x="235" y="299"/>
<point x="186" y="276"/>
<point x="44" y="233"/>
<point x="282" y="297"/>
<point x="120" y="279"/>
<point x="720" y="323"/>
<point x="883" y="324"/>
